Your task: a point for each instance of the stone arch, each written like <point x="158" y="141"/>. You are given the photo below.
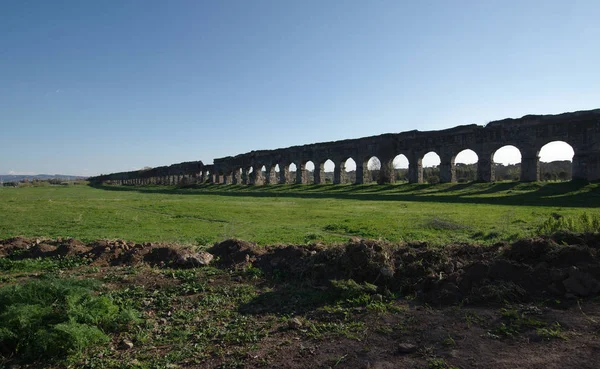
<point x="319" y="171"/>
<point x="464" y="166"/>
<point x="347" y="171"/>
<point x="506" y="162"/>
<point x="371" y="169"/>
<point x="400" y="164"/>
<point x="430" y="167"/>
<point x="237" y="175"/>
<point x="247" y="174"/>
<point x="283" y="174"/>
<point x="292" y="170"/>
<point x="227" y="176"/>
<point x="328" y="170"/>
<point x="306" y="173"/>
<point x="271" y="174"/>
<point x="553" y="158"/>
<point x="261" y="173"/>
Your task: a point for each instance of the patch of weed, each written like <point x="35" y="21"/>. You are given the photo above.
<point x="553" y="332"/>
<point x="515" y="323"/>
<point x="56" y="319"/>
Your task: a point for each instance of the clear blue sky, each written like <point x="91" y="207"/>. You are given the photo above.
<point x="89" y="87"/>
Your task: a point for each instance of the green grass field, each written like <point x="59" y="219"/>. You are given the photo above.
<point x="438" y="214"/>
<point x="79" y="311"/>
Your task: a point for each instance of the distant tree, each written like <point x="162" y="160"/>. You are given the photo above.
<point x="433" y="179"/>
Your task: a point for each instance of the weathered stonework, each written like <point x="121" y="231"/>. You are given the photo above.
<point x="580" y="129"/>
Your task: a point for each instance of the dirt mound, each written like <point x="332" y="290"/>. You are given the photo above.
<point x="234" y="252"/>
<point x="10" y="245"/>
<point x="178" y="257"/>
<point x="524" y="270"/>
<point x="42" y="250"/>
<point x="105" y="252"/>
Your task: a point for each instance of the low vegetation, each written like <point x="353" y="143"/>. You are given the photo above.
<point x="54" y="319"/>
<point x="454" y="276"/>
<point x="295" y="307"/>
<point x="439" y="214"/>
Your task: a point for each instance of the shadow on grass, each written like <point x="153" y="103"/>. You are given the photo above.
<point x="289" y="299"/>
<point x="567" y="194"/>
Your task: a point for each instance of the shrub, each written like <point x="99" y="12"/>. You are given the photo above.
<point x="56" y="319"/>
<point x="433" y="179"/>
<point x="582" y="223"/>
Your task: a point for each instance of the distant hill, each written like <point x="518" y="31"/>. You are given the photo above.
<point x="19" y="178"/>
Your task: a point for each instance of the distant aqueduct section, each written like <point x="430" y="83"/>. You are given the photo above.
<point x="579" y="129"/>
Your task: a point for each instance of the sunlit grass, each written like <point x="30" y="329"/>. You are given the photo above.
<point x="438" y="214"/>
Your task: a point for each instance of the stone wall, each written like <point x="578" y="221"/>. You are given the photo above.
<point x="580" y="129"/>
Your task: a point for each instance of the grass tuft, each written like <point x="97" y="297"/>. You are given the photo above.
<point x="56" y="319"/>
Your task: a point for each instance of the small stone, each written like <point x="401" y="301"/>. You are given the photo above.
<point x="186" y="259"/>
<point x="294" y="323"/>
<point x="125" y="344"/>
<point x="406" y="348"/>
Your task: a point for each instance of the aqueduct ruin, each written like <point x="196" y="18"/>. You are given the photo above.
<point x="579" y="129"/>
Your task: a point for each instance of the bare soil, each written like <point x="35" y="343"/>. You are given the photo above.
<point x="530" y="304"/>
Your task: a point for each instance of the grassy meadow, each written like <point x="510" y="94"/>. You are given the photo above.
<point x="84" y="311"/>
<point x="204" y="214"/>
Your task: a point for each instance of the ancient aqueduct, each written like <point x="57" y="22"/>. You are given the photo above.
<point x="580" y="129"/>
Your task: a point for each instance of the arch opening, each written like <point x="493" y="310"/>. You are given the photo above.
<point x="556" y="161"/>
<point x="263" y="172"/>
<point x="431" y="167"/>
<point x="507" y="163"/>
<point x="400" y="164"/>
<point x="277" y="168"/>
<point x="309" y="172"/>
<point x="349" y="175"/>
<point x="373" y="169"/>
<point x="329" y="168"/>
<point x="465" y="166"/>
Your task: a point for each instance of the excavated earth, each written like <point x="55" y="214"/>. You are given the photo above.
<point x="563" y="269"/>
<point x="563" y="266"/>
